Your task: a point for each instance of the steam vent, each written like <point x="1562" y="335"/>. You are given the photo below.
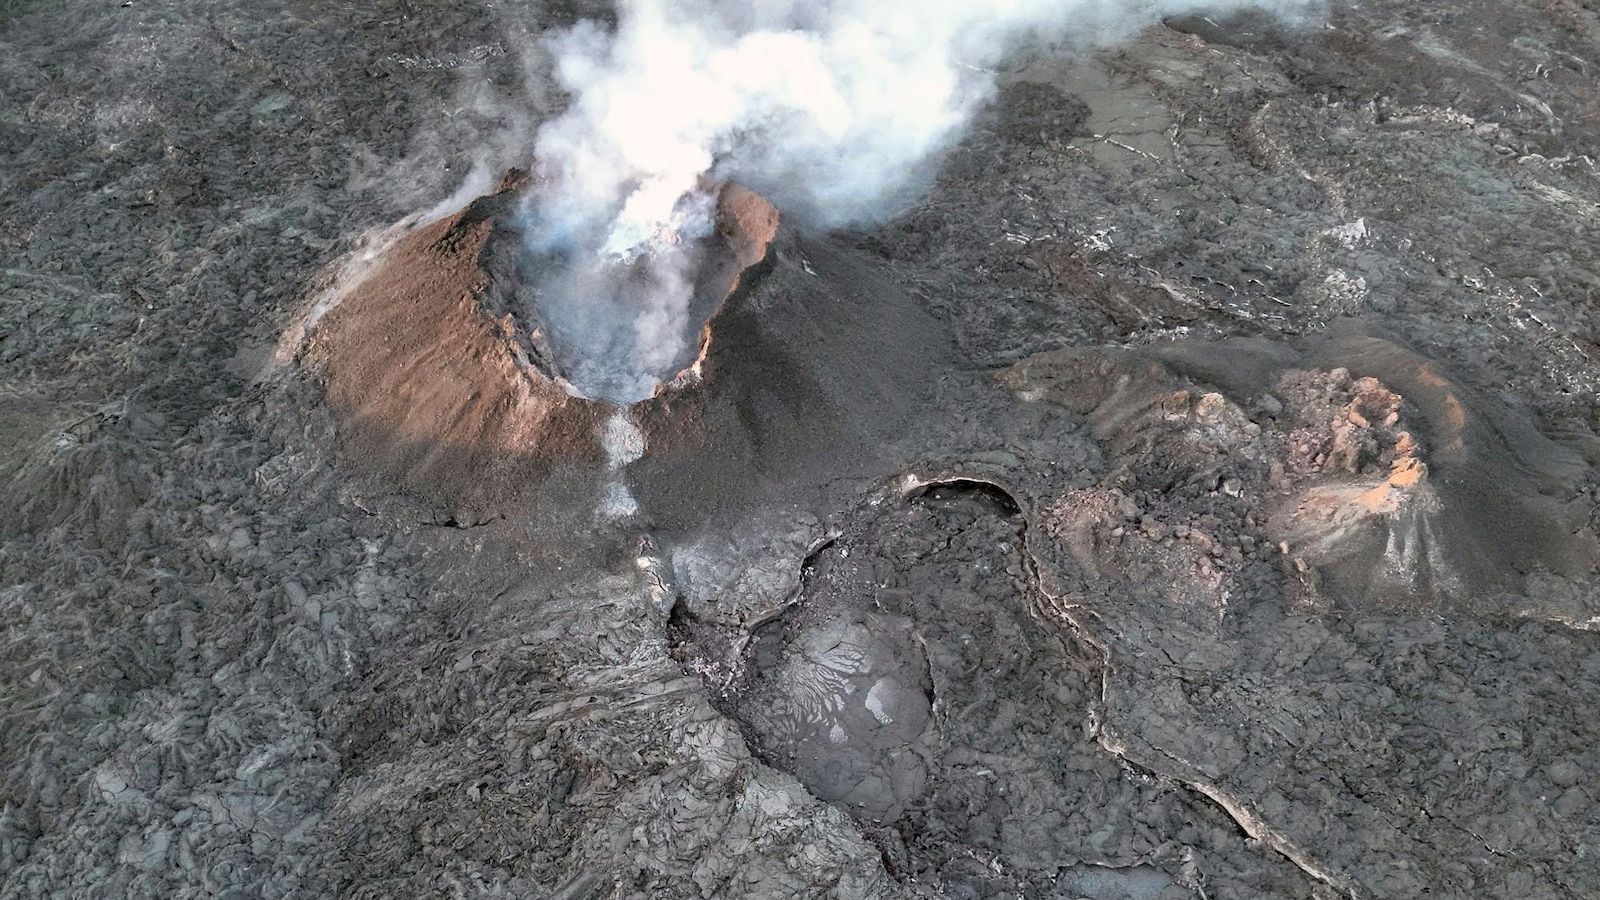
<point x="1154" y="456"/>
<point x="443" y="372"/>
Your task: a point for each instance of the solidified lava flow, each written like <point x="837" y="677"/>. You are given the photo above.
<point x="1176" y="478"/>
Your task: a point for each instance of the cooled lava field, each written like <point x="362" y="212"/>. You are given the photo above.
<point x="1167" y="473"/>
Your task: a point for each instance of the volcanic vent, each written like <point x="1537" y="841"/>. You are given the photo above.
<point x="464" y="364"/>
<point x="617" y="317"/>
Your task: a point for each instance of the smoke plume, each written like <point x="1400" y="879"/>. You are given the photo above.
<point x="836" y="110"/>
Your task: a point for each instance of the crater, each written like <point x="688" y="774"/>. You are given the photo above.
<point x="621" y="326"/>
<point x="452" y="370"/>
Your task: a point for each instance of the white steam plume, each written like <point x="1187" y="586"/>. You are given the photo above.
<point x="834" y="109"/>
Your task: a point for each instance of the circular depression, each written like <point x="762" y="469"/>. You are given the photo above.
<point x="619" y="328"/>
<point x="447" y="371"/>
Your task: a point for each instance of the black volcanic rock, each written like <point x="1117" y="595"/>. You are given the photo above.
<point x="1191" y="495"/>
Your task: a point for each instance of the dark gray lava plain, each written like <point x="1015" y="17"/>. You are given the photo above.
<point x="1061" y="538"/>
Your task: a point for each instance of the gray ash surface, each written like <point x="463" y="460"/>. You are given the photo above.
<point x="1191" y="496"/>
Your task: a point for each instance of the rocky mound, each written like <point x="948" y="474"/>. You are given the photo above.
<point x="1375" y="476"/>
